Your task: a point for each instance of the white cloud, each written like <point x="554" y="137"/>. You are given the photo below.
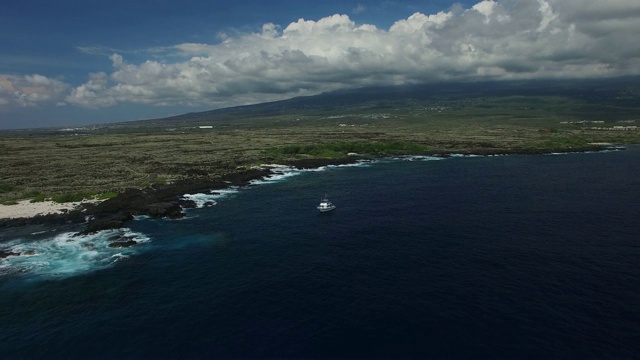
<point x="514" y="39"/>
<point x="30" y="90"/>
<point x="485" y="7"/>
<point x="95" y="93"/>
<point x="359" y="9"/>
<point x="547" y="15"/>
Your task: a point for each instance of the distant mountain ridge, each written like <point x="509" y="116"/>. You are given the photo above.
<point x="625" y="90"/>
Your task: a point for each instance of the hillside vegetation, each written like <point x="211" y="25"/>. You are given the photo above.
<point x="67" y="164"/>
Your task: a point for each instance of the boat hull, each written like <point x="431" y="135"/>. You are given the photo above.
<point x="325" y="205"/>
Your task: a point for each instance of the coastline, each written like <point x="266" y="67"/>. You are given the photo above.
<point x="165" y="201"/>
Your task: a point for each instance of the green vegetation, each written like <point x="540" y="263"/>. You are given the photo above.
<point x="5" y="188"/>
<point x="69" y="197"/>
<point x="560" y="143"/>
<point x="37" y="197"/>
<point x="342" y="149"/>
<point x="64" y="166"/>
<point x="107" y="195"/>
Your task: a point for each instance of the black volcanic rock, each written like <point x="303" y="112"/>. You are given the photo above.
<point x="114" y="221"/>
<point x="164" y="200"/>
<point x="122" y="244"/>
<point x="71" y="217"/>
<point x="171" y="210"/>
<point x="187" y="204"/>
<point x="6" y="253"/>
<point x="115" y="212"/>
<point x="131" y="200"/>
<point x="316" y="163"/>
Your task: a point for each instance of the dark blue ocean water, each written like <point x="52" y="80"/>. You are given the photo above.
<point x="511" y="256"/>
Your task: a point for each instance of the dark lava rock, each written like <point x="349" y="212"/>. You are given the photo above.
<point x="115" y="221"/>
<point x="316" y="163"/>
<point x="159" y="200"/>
<point x="122" y="244"/>
<point x="209" y="203"/>
<point x="71" y="217"/>
<point x="196" y="172"/>
<point x="6" y="253"/>
<point x="132" y="201"/>
<point x="115" y="212"/>
<point x="187" y="204"/>
<point x="171" y="210"/>
<point x="139" y="202"/>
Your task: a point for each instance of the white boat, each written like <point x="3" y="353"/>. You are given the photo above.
<point x="326" y="205"/>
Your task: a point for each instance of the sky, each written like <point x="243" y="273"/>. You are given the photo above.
<point x="81" y="62"/>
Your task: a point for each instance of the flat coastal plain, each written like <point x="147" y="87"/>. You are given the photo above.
<point x="66" y="165"/>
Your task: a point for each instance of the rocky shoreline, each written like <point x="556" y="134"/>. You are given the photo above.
<point x="165" y="201"/>
<point x="156" y="201"/>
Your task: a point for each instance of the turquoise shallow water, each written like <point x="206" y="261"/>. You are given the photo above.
<point x="511" y="256"/>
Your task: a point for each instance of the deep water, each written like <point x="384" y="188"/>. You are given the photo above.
<point x="507" y="256"/>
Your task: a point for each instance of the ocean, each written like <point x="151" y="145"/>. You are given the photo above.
<point x="533" y="256"/>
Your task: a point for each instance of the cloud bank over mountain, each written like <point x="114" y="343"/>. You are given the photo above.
<point x="493" y="40"/>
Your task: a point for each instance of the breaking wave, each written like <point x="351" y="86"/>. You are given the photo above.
<point x="67" y="255"/>
<point x="278" y="173"/>
<point x="210" y="199"/>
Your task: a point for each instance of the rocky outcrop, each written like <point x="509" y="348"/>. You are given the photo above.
<point x="7" y="253"/>
<point x="158" y="201"/>
<point x="107" y="222"/>
<point x="122" y="244"/>
<point x="71" y="217"/>
<point x="171" y="210"/>
<point x="187" y="204"/>
<point x="316" y="163"/>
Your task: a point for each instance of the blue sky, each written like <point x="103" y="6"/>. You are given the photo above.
<point x="77" y="62"/>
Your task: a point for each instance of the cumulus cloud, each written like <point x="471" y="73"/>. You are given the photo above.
<point x="94" y="93"/>
<point x="498" y="40"/>
<point x="30" y="90"/>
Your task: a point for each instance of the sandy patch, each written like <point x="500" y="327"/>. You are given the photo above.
<point x="26" y="208"/>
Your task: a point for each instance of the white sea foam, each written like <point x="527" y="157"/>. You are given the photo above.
<point x="466" y="155"/>
<point x="283" y="172"/>
<point x="67" y="255"/>
<point x="359" y="163"/>
<point x="201" y="199"/>
<point x="417" y="158"/>
<point x="277" y="174"/>
<point x="119" y="256"/>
